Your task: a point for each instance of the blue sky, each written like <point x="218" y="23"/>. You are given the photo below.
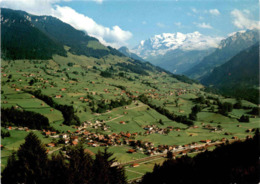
<point x="137" y="20"/>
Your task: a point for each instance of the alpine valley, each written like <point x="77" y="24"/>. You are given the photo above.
<point x="76" y="111"/>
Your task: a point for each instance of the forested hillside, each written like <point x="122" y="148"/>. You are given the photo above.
<point x="239" y="76"/>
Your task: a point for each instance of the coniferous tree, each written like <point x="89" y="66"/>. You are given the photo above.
<point x="9" y="174"/>
<point x="31" y="164"/>
<point x="80" y="167"/>
<point x="58" y="170"/>
<point x="104" y="173"/>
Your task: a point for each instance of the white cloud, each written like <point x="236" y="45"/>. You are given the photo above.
<point x="214" y="12"/>
<point x="203" y="25"/>
<point x="201" y="18"/>
<point x="37" y="7"/>
<point x="178" y="24"/>
<point x="98" y="1"/>
<point x="242" y="21"/>
<point x="161" y="25"/>
<point x="114" y="36"/>
<point x="194" y="10"/>
<point x="106" y="35"/>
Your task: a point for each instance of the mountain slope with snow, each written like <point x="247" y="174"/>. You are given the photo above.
<point x="228" y="48"/>
<point x="177" y="52"/>
<point x="160" y="44"/>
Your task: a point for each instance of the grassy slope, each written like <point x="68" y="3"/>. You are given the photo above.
<point x="137" y="115"/>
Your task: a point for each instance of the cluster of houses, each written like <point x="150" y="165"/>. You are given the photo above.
<point x="152" y="129"/>
<point x="212" y="129"/>
<point x="148" y="148"/>
<point x="101" y="125"/>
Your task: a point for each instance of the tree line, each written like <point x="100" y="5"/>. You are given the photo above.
<point x="33" y="120"/>
<point x="68" y="113"/>
<point x="31" y="164"/>
<point x="230" y="163"/>
<point x="178" y="118"/>
<point x="103" y="107"/>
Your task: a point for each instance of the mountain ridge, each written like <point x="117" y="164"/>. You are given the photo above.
<point x="124" y="50"/>
<point x="228" y="48"/>
<point x="239" y="76"/>
<point x="46" y="26"/>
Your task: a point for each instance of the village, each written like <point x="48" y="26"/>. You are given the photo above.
<point x="91" y="139"/>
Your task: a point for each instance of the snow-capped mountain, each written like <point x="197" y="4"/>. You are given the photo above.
<point x="160" y="44"/>
<point x="227" y="49"/>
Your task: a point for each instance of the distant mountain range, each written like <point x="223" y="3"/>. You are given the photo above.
<point x="176" y="52"/>
<point x="126" y="52"/>
<point x="228" y="48"/>
<point x="193" y="54"/>
<point x="178" y="61"/>
<point x="239" y="76"/>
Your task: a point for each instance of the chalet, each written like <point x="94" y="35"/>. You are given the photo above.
<point x="75" y="138"/>
<point x="51" y="110"/>
<point x="50" y="145"/>
<point x="122" y="122"/>
<point x="131" y="151"/>
<point x="47" y="133"/>
<point x="32" y="96"/>
<point x="128" y="135"/>
<point x="64" y="136"/>
<point x="223" y="140"/>
<point x="205" y="141"/>
<point x="63" y="89"/>
<point x="248" y="136"/>
<point x="235" y="137"/>
<point x="135" y="165"/>
<point x="17" y="89"/>
<point x="74" y="143"/>
<point x="58" y="96"/>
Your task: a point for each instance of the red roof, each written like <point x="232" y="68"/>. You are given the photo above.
<point x="131" y="151"/>
<point x="74" y="142"/>
<point x="135" y="165"/>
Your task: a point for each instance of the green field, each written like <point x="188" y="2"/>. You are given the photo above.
<point x="83" y="81"/>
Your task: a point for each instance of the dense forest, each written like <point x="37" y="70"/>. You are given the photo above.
<point x="70" y="118"/>
<point x="15" y="117"/>
<point x="24" y="44"/>
<point x="231" y="163"/>
<point x="31" y="164"/>
<point x="238" y="77"/>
